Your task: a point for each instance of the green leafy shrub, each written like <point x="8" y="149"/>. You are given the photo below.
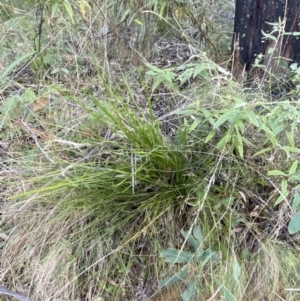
<point x="194" y="260"/>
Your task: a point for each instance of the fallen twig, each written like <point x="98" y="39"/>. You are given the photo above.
<point x="8" y="292"/>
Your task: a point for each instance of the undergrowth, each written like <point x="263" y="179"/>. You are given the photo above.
<point x="107" y="158"/>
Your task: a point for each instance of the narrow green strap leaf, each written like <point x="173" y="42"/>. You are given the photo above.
<point x="14" y="64"/>
<point x="293" y="167"/>
<point x="276" y="173"/>
<point x="69" y="9"/>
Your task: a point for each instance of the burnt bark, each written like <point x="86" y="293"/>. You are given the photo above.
<point x="251" y="18"/>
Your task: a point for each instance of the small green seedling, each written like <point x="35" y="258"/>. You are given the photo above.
<point x="194" y="262"/>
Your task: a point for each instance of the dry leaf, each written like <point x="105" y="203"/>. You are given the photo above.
<point x="3" y="236"/>
<point x="111" y="282"/>
<point x="40" y="103"/>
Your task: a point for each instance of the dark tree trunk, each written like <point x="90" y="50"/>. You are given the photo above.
<point x="251" y="18"/>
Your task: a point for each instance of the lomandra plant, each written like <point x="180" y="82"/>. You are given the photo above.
<point x="195" y="260"/>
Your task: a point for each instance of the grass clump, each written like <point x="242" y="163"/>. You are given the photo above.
<point x="115" y="204"/>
